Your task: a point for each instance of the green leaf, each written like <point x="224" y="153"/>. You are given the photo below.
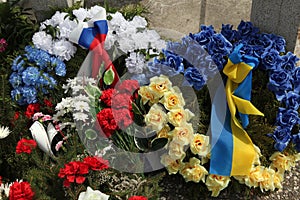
<point x="93" y="91"/>
<point x="158" y="143"/>
<point x="109" y="76"/>
<point x="90" y="134"/>
<point x="141" y="143"/>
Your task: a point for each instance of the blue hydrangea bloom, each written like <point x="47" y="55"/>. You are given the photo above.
<point x="30" y="75"/>
<point x="29" y="94"/>
<point x="15" y="80"/>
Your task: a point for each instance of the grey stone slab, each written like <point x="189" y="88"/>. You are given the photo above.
<point x="281" y="17"/>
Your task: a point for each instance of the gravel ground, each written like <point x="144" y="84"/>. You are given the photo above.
<point x="175" y="188"/>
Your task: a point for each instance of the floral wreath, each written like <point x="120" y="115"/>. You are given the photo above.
<point x="235" y="54"/>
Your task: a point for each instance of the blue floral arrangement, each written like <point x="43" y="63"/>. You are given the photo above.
<point x="210" y="49"/>
<point x="33" y="74"/>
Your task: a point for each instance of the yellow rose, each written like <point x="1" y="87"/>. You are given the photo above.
<point x="254" y="177"/>
<point x="179" y="116"/>
<point x="200" y="144"/>
<point x="160" y="85"/>
<point x="172" y="165"/>
<point x="173" y="99"/>
<point x="281" y="162"/>
<point x="193" y="171"/>
<point x="268" y="180"/>
<point x="156" y="118"/>
<point x="216" y="183"/>
<point x="176" y="150"/>
<point x="148" y="95"/>
<point x="183" y="134"/>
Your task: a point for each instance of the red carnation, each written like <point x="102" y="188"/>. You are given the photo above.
<point x="96" y="163"/>
<point x="73" y="172"/>
<point x="25" y="146"/>
<point x="48" y="103"/>
<point x="122" y="101"/>
<point x="138" y="198"/>
<point x="20" y="191"/>
<point x="106" y="96"/>
<point x="123" y="118"/>
<point x="107" y="122"/>
<point x="128" y="86"/>
<point x="31" y="109"/>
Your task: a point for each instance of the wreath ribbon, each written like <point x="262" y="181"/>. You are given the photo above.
<point x="92" y="35"/>
<point x="233" y="151"/>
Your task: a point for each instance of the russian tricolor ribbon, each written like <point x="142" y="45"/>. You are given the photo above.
<point x="92" y="35"/>
<point x="232" y="149"/>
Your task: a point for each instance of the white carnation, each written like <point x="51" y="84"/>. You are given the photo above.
<point x="80" y="13"/>
<point x="135" y="63"/>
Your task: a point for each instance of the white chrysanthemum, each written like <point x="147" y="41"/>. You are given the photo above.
<point x="81" y="106"/>
<point x="91" y="194"/>
<point x="80" y="13"/>
<point x="135" y="63"/>
<point x="4" y="189"/>
<point x="4" y="132"/>
<point x="79" y="116"/>
<point x="93" y="11"/>
<point x="66" y="27"/>
<point x="139" y="22"/>
<point x="66" y="103"/>
<point x="43" y="41"/>
<point x="81" y="97"/>
<point x="64" y="49"/>
<point x="58" y="18"/>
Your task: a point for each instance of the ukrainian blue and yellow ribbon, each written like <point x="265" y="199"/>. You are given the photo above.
<point x="233" y="151"/>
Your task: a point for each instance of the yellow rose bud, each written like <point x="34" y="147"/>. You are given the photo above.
<point x="281" y="162"/>
<point x="172" y="165"/>
<point x="160" y="85"/>
<point x="200" y="144"/>
<point x="268" y="180"/>
<point x="179" y="116"/>
<point x="193" y="171"/>
<point x="183" y="134"/>
<point x="156" y="118"/>
<point x="176" y="150"/>
<point x="173" y="99"/>
<point x="216" y="183"/>
<point x="148" y="95"/>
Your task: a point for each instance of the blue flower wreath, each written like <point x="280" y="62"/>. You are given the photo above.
<point x="187" y="57"/>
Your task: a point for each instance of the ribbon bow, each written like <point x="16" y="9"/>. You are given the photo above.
<point x="92" y="35"/>
<point x="233" y="151"/>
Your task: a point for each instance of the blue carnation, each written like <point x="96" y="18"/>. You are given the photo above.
<point x="228" y="33"/>
<point x="282" y="137"/>
<point x="288" y="63"/>
<point x="219" y="44"/>
<point x="30" y="75"/>
<point x="194" y="78"/>
<point x="246" y="29"/>
<point x="279" y="83"/>
<point x="292" y="100"/>
<point x="172" y="60"/>
<point x="287" y="118"/>
<point x="270" y="60"/>
<point x="203" y="37"/>
<point x="15" y="80"/>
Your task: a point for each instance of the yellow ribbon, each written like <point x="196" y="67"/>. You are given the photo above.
<point x="243" y="149"/>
